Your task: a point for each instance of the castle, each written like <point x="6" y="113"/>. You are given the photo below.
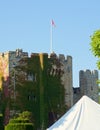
<point x="88" y="85"/>
<point x="42" y="84"/>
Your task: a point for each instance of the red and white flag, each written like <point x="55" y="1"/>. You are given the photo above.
<point x="53" y="24"/>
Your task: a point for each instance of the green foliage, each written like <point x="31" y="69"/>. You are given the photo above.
<point x="95" y="46"/>
<point x="19" y="126"/>
<point x="40" y="96"/>
<point x="25" y="116"/>
<point x="95" y="43"/>
<point x="22" y="122"/>
<point x="19" y="120"/>
<point x="27" y="98"/>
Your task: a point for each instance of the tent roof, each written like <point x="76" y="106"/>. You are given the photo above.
<point x="84" y="115"/>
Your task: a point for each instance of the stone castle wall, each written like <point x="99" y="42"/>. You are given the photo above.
<point x="61" y="69"/>
<point x="88" y="83"/>
<point x="66" y="77"/>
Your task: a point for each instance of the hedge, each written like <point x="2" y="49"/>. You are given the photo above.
<point x="19" y="126"/>
<point x="19" y="121"/>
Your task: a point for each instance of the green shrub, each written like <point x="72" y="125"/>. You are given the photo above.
<point x="19" y="126"/>
<point x="19" y="121"/>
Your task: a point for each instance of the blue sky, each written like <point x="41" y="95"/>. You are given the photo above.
<point x="26" y="24"/>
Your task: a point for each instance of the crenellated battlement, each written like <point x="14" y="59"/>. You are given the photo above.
<point x="88" y="83"/>
<point x="44" y="75"/>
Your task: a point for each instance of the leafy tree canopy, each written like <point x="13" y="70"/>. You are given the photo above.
<point x="95" y="46"/>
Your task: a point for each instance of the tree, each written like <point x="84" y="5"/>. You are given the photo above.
<point x="95" y="46"/>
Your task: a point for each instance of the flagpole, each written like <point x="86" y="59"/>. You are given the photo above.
<point x="51" y="37"/>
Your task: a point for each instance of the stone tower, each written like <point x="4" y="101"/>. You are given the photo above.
<point x="8" y="60"/>
<point x="67" y="79"/>
<point x="88" y="83"/>
<point x="45" y="84"/>
<point x="66" y="76"/>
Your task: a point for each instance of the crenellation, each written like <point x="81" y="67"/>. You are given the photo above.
<point x="88" y="83"/>
<point x="2" y="55"/>
<point x="69" y="58"/>
<point x="53" y="56"/>
<point x="61" y="57"/>
<point x="43" y="72"/>
<point x="34" y="55"/>
<point x="95" y="73"/>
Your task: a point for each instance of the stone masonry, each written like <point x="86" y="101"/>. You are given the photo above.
<point x="88" y="83"/>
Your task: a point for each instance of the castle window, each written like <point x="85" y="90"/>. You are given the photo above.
<point x="74" y="91"/>
<point x="30" y="77"/>
<point x="91" y="88"/>
<point x="31" y="96"/>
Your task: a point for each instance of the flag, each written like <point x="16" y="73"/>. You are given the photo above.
<point x="53" y="24"/>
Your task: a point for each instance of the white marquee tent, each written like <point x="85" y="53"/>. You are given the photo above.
<point x="84" y="115"/>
